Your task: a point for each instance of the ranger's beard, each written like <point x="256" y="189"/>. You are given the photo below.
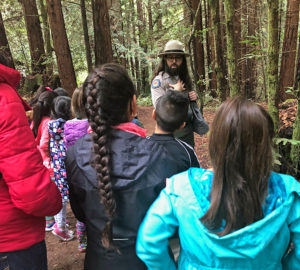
<point x="174" y="71"/>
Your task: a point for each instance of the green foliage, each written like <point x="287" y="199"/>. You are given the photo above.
<point x="284" y="141"/>
<point x="144" y="101"/>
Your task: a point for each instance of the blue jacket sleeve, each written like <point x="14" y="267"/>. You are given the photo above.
<point x="292" y="260"/>
<point x="159" y="224"/>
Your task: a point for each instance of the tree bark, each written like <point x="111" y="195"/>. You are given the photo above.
<point x="4" y="45"/>
<point x="61" y="46"/>
<point x="273" y="52"/>
<point x="231" y="49"/>
<point x="35" y="36"/>
<point x="102" y="36"/>
<point x="289" y="47"/>
<point x="143" y="42"/>
<point x="86" y="36"/>
<point x="220" y="67"/>
<point x="47" y="37"/>
<point x="198" y="49"/>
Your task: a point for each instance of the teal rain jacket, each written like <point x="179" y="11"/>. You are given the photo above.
<point x="261" y="245"/>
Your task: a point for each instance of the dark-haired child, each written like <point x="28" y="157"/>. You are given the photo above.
<point x="60" y="113"/>
<point x="170" y="114"/>
<point x="75" y="129"/>
<point x="39" y="125"/>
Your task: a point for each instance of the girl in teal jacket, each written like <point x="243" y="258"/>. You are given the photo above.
<point x="241" y="215"/>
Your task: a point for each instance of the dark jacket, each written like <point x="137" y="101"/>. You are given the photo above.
<point x="139" y="167"/>
<point x="183" y="152"/>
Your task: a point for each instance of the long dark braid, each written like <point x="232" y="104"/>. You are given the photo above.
<point x="107" y="93"/>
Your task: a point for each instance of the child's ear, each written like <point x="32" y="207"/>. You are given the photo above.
<point x="182" y="126"/>
<point x="154" y="115"/>
<point x="133" y="106"/>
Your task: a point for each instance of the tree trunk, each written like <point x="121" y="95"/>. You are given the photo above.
<point x="273" y="51"/>
<point x="4" y="46"/>
<point x="143" y="42"/>
<point x="231" y="49"/>
<point x="251" y="74"/>
<point x="295" y="149"/>
<point x="220" y="67"/>
<point x="35" y="36"/>
<point x="47" y="37"/>
<point x="102" y="36"/>
<point x="289" y="48"/>
<point x="61" y="46"/>
<point x="237" y="39"/>
<point x="198" y="50"/>
<point x="86" y="36"/>
<point x="210" y="49"/>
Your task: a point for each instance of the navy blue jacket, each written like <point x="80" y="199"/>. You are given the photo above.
<point x="138" y="170"/>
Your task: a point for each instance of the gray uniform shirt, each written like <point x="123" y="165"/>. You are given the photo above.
<point x="159" y="87"/>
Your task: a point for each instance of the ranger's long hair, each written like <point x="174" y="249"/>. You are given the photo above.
<point x="108" y="92"/>
<point x="240" y="147"/>
<point x="183" y="71"/>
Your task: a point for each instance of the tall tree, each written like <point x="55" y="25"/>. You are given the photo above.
<point x="35" y="36"/>
<point x="47" y="37"/>
<point x="220" y="67"/>
<point x="144" y="45"/>
<point x="4" y="45"/>
<point x="102" y="36"/>
<point x="295" y="149"/>
<point x="86" y="35"/>
<point x="289" y="48"/>
<point x="273" y="51"/>
<point x="198" y="49"/>
<point x="231" y="49"/>
<point x="61" y="46"/>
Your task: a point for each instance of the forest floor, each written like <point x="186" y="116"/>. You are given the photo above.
<point x="65" y="255"/>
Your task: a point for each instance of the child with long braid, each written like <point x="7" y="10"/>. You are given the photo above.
<point x="114" y="173"/>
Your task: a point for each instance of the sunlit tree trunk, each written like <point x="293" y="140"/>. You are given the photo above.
<point x="4" y="46"/>
<point x="102" y="36"/>
<point x="35" y="36"/>
<point x="273" y="52"/>
<point x="61" y="46"/>
<point x="289" y="48"/>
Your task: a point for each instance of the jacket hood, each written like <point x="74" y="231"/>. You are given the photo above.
<point x="249" y="241"/>
<point x="12" y="77"/>
<point x="74" y="129"/>
<point x="130" y="157"/>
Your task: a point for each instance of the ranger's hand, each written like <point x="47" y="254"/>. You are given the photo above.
<point x="193" y="96"/>
<point x="179" y="86"/>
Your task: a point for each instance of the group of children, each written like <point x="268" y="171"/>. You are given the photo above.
<point x="54" y="131"/>
<point x="112" y="173"/>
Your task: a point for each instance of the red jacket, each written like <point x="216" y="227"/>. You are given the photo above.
<point x="26" y="193"/>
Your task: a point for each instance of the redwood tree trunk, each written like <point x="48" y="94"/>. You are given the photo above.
<point x="47" y="37"/>
<point x="35" y="36"/>
<point x="198" y="48"/>
<point x="61" y="46"/>
<point x="102" y="36"/>
<point x="289" y="48"/>
<point x="86" y="35"/>
<point x="4" y="46"/>
<point x="220" y="67"/>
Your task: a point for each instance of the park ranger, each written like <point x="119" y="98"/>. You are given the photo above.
<point x="172" y="74"/>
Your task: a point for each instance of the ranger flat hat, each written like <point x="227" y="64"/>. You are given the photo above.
<point x="173" y="47"/>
